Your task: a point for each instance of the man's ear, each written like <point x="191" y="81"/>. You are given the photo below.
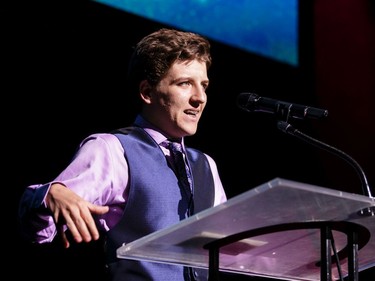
<point x="145" y="91"/>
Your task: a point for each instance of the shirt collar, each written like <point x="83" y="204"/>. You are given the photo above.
<point x="153" y="131"/>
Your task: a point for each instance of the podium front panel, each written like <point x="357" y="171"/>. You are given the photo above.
<point x="287" y="255"/>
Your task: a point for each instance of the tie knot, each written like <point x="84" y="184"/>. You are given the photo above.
<point x="175" y="146"/>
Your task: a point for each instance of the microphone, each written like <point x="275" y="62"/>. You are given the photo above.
<point x="254" y="103"/>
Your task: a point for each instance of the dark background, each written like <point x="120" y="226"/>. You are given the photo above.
<point x="64" y="65"/>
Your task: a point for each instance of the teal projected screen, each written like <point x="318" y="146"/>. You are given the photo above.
<point x="267" y="28"/>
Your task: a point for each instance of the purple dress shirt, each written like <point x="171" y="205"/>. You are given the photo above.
<point x="99" y="174"/>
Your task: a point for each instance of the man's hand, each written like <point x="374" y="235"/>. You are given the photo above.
<point x="70" y="209"/>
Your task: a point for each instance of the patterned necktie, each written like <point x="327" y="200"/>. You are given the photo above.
<point x="185" y="182"/>
<point x="183" y="173"/>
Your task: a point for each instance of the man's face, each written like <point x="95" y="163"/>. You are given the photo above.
<point x="177" y="102"/>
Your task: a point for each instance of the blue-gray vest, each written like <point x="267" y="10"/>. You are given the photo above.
<point x="153" y="204"/>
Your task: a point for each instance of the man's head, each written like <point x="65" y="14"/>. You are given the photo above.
<point x="168" y="71"/>
<point x="156" y="52"/>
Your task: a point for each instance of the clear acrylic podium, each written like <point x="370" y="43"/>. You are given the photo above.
<point x="281" y="229"/>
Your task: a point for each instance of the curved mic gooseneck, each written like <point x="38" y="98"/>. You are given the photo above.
<point x="289" y="129"/>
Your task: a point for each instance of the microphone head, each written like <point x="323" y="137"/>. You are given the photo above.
<point x="247" y="101"/>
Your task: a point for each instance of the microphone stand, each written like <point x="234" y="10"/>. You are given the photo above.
<point x="369" y="211"/>
<point x="289" y="129"/>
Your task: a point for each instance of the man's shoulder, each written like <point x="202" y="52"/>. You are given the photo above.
<point x="124" y="130"/>
<point x="98" y="138"/>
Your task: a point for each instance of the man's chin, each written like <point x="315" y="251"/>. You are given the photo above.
<point x="189" y="132"/>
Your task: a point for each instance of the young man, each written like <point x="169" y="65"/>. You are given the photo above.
<point x="123" y="184"/>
